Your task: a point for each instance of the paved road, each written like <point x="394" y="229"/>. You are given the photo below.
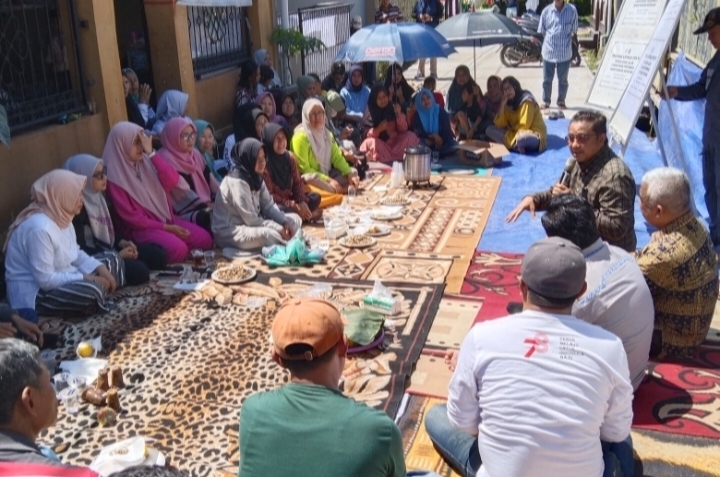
<point x="529" y="75"/>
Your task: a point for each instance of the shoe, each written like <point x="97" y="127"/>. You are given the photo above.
<point x="544" y="105"/>
<point x="419" y="76"/>
<point x="561" y="105"/>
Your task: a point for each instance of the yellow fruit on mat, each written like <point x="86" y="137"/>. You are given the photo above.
<point x="85" y="350"/>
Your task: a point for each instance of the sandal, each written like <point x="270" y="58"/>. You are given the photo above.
<point x="554" y="115"/>
<point x="544" y="105"/>
<point x="561" y="105"/>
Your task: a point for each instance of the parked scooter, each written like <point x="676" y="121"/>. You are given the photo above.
<point x="530" y="50"/>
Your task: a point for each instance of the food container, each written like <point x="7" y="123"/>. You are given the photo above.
<point x="417" y="161"/>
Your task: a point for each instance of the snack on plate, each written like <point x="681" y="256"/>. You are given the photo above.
<point x="357" y="240"/>
<point x="396" y="199"/>
<point x="233" y="273"/>
<point x="374" y="229"/>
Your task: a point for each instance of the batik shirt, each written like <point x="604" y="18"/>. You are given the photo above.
<point x="607" y="183"/>
<point x="680" y="268"/>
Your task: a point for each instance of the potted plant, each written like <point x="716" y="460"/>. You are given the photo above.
<point x="292" y="42"/>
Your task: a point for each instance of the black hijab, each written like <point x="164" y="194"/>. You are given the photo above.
<point x="244" y="155"/>
<point x="378" y="114"/>
<point x="240" y="120"/>
<point x="454" y="96"/>
<point x="402" y="84"/>
<point x="278" y="165"/>
<point x="520" y="95"/>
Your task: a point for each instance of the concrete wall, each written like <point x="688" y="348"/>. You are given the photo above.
<point x="216" y="99"/>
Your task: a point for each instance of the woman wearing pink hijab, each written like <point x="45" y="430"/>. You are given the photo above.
<point x="138" y="181"/>
<point x="45" y="269"/>
<point x="193" y="196"/>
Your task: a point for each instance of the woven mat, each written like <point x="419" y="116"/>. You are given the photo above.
<point x="189" y="366"/>
<point x="433" y="243"/>
<point x="655" y="454"/>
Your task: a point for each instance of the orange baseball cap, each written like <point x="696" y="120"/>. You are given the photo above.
<point x="308" y="321"/>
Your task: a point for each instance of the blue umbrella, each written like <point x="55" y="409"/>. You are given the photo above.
<point x="394" y="43"/>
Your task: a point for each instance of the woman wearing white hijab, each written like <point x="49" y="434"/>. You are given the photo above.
<point x="94" y="225"/>
<point x="319" y="158"/>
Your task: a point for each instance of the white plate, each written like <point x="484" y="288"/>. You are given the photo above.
<point x="343" y="242"/>
<point x="384" y="230"/>
<point x="462" y="172"/>
<point x="252" y="275"/>
<point x="387" y="216"/>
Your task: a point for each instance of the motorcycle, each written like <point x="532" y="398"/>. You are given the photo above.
<point x="530" y="49"/>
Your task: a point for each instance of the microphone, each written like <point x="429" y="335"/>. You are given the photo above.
<point x="565" y="177"/>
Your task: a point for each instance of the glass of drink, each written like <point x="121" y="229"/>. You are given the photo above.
<point x="70" y="398"/>
<point x="435" y="157"/>
<point x="351" y="193"/>
<point x="197" y="256"/>
<point x="210" y="259"/>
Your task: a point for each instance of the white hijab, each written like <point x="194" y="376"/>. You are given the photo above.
<point x="319" y="138"/>
<point x="95" y="205"/>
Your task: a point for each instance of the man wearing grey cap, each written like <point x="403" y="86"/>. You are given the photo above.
<point x="708" y="87"/>
<point x="539" y="393"/>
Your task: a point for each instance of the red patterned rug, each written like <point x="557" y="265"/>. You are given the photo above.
<point x="494" y="278"/>
<point x="677" y="398"/>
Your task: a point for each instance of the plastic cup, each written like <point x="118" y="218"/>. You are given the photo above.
<point x="197" y="256"/>
<point x="435" y="157"/>
<point x="209" y="259"/>
<point x="48" y="359"/>
<point x="77" y="382"/>
<point x="70" y="398"/>
<point x="352" y="193"/>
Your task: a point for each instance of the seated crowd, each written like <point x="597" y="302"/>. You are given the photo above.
<point x="594" y="309"/>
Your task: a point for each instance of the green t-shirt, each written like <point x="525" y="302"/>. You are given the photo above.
<point x="305" y="430"/>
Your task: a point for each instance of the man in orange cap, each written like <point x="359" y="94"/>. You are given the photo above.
<point x="308" y="427"/>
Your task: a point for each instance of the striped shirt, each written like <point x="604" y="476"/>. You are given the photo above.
<point x="391" y="14"/>
<point x="558" y="27"/>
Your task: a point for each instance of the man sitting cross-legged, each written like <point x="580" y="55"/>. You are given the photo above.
<point x="617" y="298"/>
<point x="28" y="406"/>
<point x="308" y="427"/>
<point x="539" y="393"/>
<point x="679" y="264"/>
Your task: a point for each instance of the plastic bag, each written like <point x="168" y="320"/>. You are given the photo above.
<point x="295" y="253"/>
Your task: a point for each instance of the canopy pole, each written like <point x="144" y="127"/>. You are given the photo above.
<point x="474" y="61"/>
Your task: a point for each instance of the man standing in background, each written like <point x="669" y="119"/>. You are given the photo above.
<point x="558" y="22"/>
<point x="428" y="12"/>
<point x="388" y="13"/>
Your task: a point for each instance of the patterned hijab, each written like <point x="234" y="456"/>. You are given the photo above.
<point x="190" y="163"/>
<point x="138" y="179"/>
<point x="55" y="195"/>
<point x="95" y="204"/>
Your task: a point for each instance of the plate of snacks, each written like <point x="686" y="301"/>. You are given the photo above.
<point x="386" y="215"/>
<point x="234" y="274"/>
<point x="357" y="241"/>
<point x="397" y="199"/>
<point x="378" y="230"/>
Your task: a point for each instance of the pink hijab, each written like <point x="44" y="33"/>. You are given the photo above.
<point x="191" y="163"/>
<point x="274" y="118"/>
<point x="55" y="195"/>
<point x="138" y="179"/>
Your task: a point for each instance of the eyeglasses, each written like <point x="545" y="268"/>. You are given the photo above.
<point x="100" y="175"/>
<point x="580" y="138"/>
<point x="316" y="114"/>
<point x="188" y="137"/>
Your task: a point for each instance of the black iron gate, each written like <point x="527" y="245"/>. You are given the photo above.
<point x="330" y="23"/>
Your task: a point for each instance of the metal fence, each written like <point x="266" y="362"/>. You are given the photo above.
<point x="331" y="24"/>
<point x="40" y="62"/>
<point x="696" y="47"/>
<point x="219" y="38"/>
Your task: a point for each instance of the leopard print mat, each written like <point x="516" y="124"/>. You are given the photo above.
<point x="188" y="367"/>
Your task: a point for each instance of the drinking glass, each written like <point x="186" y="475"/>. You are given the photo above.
<point x="351" y="193"/>
<point x="210" y="259"/>
<point x="197" y="256"/>
<point x="70" y="398"/>
<point x="435" y="157"/>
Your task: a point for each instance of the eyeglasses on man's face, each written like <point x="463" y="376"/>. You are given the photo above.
<point x="579" y="138"/>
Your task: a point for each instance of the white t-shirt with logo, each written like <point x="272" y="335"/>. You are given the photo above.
<point x="541" y="390"/>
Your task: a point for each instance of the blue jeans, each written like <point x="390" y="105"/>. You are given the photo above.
<point x="460" y="450"/>
<point x="563" y="68"/>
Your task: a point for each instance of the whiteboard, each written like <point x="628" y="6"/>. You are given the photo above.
<point x="630" y="36"/>
<point x="632" y="100"/>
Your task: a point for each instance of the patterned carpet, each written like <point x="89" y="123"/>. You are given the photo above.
<point x="433" y="243"/>
<point x="189" y="366"/>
